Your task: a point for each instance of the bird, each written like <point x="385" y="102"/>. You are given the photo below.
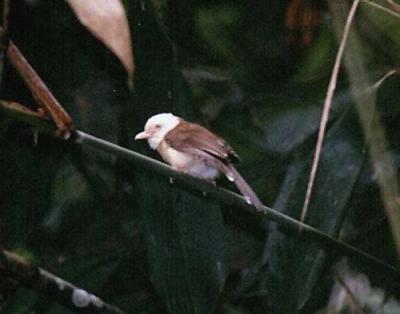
<point x="192" y="149"/>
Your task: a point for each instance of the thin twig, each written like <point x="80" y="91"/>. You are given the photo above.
<point x="43" y="282"/>
<point x="381" y="80"/>
<point x="223" y="196"/>
<point x="326" y="110"/>
<point x="382" y="8"/>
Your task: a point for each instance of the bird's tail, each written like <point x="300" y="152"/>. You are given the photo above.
<point x="233" y="175"/>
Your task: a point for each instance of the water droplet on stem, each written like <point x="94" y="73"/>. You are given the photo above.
<point x="248" y="201"/>
<point x="230" y="177"/>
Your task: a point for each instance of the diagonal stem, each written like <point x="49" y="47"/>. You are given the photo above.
<point x="287" y="224"/>
<point x="326" y="110"/>
<point x="40" y="92"/>
<point x="381" y="8"/>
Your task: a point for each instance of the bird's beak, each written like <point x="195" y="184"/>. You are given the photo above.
<point x="142" y="135"/>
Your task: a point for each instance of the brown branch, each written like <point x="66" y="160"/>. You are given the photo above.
<point x="43" y="96"/>
<point x="326" y="110"/>
<point x="40" y="91"/>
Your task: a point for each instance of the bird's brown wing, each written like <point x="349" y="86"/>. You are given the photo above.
<point x="194" y="139"/>
<point x="197" y="140"/>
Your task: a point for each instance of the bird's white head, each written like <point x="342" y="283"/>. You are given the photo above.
<point x="157" y="127"/>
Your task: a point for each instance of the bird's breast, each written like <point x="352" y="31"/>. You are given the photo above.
<point x="188" y="163"/>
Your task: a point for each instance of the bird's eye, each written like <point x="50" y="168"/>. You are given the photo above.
<point x="158" y="126"/>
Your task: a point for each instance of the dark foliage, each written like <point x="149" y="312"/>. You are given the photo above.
<point x="256" y="72"/>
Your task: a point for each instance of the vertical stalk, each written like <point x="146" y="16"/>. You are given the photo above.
<point x="382" y="160"/>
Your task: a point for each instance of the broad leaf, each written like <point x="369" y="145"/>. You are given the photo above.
<point x="295" y="265"/>
<point x="185" y="238"/>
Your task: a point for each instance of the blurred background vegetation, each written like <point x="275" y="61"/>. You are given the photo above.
<point x="255" y="72"/>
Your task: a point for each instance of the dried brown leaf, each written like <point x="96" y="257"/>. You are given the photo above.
<point x="106" y="19"/>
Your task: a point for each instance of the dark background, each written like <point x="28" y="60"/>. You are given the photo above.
<point x="256" y="73"/>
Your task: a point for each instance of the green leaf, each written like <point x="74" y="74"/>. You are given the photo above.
<point x="185" y="238"/>
<point x="293" y="119"/>
<point x="295" y="265"/>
